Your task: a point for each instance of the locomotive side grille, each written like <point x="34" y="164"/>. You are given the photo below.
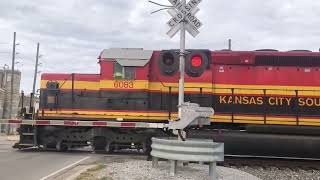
<point x="305" y="61"/>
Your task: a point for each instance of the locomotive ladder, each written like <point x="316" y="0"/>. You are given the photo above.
<point x="28" y="137"/>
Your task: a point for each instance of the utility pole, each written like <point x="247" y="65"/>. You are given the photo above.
<point x="3" y="82"/>
<point x="229" y="44"/>
<point x="34" y="81"/>
<point x="12" y="80"/>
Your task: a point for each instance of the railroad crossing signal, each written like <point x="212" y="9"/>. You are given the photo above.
<point x="183" y="18"/>
<point x="184" y="14"/>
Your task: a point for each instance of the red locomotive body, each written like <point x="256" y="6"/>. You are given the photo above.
<point x="257" y="87"/>
<point x="265" y="91"/>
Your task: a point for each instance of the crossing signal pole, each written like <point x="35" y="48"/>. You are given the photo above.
<point x="183" y="19"/>
<point x="182" y="63"/>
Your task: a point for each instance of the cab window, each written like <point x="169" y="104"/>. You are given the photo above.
<point x="124" y="72"/>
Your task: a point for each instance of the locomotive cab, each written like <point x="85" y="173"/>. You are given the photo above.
<point x="126" y="67"/>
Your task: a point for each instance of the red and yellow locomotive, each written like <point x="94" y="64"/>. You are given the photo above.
<point x="263" y="91"/>
<point x="255" y="87"/>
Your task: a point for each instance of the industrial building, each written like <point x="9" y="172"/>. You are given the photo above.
<point x="5" y="90"/>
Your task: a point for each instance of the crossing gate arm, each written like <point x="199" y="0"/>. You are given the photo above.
<point x="80" y="123"/>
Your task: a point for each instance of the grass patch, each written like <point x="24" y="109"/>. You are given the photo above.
<point x="106" y="178"/>
<point x="92" y="172"/>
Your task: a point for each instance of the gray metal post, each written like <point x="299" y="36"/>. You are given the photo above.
<point x="4" y="79"/>
<point x="229" y="44"/>
<point x="12" y="79"/>
<point x="173" y="167"/>
<point x="4" y="84"/>
<point x="155" y="162"/>
<point x="35" y="78"/>
<point x="213" y="171"/>
<point x="182" y="63"/>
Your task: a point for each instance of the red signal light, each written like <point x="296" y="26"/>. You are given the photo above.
<point x="196" y="61"/>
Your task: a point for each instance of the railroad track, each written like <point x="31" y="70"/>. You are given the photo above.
<point x="294" y="164"/>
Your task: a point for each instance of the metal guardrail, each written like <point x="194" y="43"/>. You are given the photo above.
<point x="194" y="150"/>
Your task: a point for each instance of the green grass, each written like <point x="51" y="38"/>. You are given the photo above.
<point x="92" y="172"/>
<point x="106" y="178"/>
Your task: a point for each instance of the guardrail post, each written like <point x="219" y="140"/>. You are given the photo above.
<point x="155" y="162"/>
<point x="213" y="171"/>
<point x="173" y="167"/>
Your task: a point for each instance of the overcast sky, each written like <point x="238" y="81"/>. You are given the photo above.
<point x="72" y="33"/>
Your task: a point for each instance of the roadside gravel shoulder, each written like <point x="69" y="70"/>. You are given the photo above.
<point x="275" y="173"/>
<point x="138" y="168"/>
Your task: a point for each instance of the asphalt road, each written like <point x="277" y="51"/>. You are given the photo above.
<point x="35" y="164"/>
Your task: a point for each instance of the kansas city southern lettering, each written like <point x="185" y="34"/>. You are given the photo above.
<point x="310" y="102"/>
<point x="271" y="101"/>
<point x="241" y="100"/>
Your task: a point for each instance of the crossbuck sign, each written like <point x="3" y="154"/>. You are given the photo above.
<point x="185" y="14"/>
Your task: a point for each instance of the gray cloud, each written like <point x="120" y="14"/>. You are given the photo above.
<point x="73" y="33"/>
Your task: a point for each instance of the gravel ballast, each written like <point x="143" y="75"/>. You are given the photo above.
<point x="137" y="168"/>
<point x="275" y="173"/>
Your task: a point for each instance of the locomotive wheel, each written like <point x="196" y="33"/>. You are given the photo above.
<point x="62" y="146"/>
<point x="49" y="143"/>
<point x="49" y="146"/>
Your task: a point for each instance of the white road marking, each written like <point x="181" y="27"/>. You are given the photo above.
<point x="66" y="167"/>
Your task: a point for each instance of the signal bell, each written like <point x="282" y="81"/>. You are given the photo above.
<point x="197" y="62"/>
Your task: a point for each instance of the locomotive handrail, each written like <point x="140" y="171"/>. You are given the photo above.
<point x="66" y="80"/>
<point x="159" y="80"/>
